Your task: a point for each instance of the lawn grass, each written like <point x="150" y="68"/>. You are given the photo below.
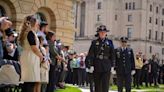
<point x="144" y="89"/>
<point x="69" y="89"/>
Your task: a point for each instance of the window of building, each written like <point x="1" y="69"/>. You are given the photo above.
<point x="98" y="17"/>
<point x="99" y="5"/>
<point x="134" y="6"/>
<point x="150" y="49"/>
<point x="162" y="51"/>
<point x="162" y="34"/>
<point x="2" y="11"/>
<point x="130" y="6"/>
<point x="156" y="21"/>
<point x="150" y="20"/>
<point x="156" y="9"/>
<point x="129" y="18"/>
<point x="162" y="23"/>
<point x="151" y="9"/>
<point x="126" y="6"/>
<point x="156" y="35"/>
<point x="163" y="11"/>
<point x="129" y="32"/>
<point x="115" y="17"/>
<point x="149" y="34"/>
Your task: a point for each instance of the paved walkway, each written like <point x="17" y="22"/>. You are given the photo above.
<point x="87" y="90"/>
<point x="161" y="89"/>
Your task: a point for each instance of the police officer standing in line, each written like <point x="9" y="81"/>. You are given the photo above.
<point x="125" y="65"/>
<point x="101" y="55"/>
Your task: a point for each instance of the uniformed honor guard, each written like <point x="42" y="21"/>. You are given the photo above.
<point x="124" y="65"/>
<point x="101" y="56"/>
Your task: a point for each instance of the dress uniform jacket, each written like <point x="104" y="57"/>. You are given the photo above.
<point x="124" y="63"/>
<point x="101" y="55"/>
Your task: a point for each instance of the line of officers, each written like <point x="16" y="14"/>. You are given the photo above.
<point x="102" y="59"/>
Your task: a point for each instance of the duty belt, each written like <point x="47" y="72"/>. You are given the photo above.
<point x="102" y="57"/>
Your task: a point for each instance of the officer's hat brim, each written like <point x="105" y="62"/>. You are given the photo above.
<point x="102" y="28"/>
<point x="123" y="39"/>
<point x="102" y="31"/>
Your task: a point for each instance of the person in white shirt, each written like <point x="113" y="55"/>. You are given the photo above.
<point x="43" y="30"/>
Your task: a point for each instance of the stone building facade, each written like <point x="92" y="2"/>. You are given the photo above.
<point x="140" y="20"/>
<point x="58" y="14"/>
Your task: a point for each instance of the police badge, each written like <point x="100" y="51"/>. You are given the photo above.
<point x="118" y="54"/>
<point x="129" y="52"/>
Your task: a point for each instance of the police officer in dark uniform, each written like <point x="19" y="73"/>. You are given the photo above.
<point x="101" y="55"/>
<point x="124" y="65"/>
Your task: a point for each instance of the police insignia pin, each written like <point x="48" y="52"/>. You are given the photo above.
<point x="107" y="42"/>
<point x="97" y="43"/>
<point x="129" y="52"/>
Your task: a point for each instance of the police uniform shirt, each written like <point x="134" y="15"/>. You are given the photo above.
<point x="101" y="55"/>
<point x="124" y="60"/>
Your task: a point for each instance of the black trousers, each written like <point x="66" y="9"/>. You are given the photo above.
<point x="63" y="76"/>
<point x="137" y="78"/>
<point x="75" y="76"/>
<point x="154" y="78"/>
<point x="52" y="79"/>
<point x="91" y="81"/>
<point x="124" y="80"/>
<point x="101" y="80"/>
<point x="69" y="77"/>
<point x="81" y="76"/>
<point x="145" y="77"/>
<point x="28" y="87"/>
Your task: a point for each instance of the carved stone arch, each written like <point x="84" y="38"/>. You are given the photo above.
<point x="49" y="16"/>
<point x="10" y="10"/>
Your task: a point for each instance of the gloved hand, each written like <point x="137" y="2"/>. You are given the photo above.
<point x="90" y="70"/>
<point x="133" y="72"/>
<point x="87" y="70"/>
<point x="113" y="71"/>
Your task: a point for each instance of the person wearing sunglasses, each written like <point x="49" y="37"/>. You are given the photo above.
<point x="11" y="51"/>
<point x="124" y="65"/>
<point x="4" y="24"/>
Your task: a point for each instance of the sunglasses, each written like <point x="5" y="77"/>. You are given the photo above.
<point x="124" y="41"/>
<point x="12" y="36"/>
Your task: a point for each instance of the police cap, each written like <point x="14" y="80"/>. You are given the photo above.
<point x="102" y="28"/>
<point x="123" y="39"/>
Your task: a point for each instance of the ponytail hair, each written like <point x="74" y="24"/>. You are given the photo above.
<point x="29" y="21"/>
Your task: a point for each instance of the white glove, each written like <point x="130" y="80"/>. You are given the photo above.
<point x="133" y="72"/>
<point x="91" y="69"/>
<point x="113" y="71"/>
<point x="87" y="70"/>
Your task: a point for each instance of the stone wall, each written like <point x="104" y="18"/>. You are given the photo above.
<point x="58" y="14"/>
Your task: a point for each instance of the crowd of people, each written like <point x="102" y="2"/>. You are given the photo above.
<point x="148" y="71"/>
<point x="47" y="64"/>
